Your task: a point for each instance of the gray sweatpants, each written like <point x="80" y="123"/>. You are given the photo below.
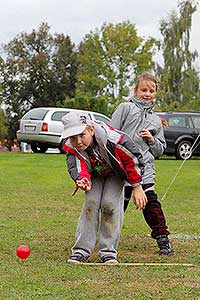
<point x="102" y="213"/>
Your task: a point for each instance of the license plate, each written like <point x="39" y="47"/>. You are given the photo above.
<point x="29" y="128"/>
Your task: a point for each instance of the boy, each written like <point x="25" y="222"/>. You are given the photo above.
<point x="99" y="160"/>
<point x="137" y="119"/>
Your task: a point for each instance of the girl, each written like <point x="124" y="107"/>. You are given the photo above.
<point x="138" y="120"/>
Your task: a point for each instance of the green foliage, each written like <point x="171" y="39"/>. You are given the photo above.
<point x="3" y="127"/>
<point x="109" y="58"/>
<point x="39" y="70"/>
<point x="1" y="61"/>
<point x="180" y="81"/>
<point x="36" y="209"/>
<point x="86" y="102"/>
<point x="65" y="65"/>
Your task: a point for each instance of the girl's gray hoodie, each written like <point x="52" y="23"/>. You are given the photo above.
<point x="133" y="116"/>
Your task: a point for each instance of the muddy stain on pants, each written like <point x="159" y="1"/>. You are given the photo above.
<point x="102" y="213"/>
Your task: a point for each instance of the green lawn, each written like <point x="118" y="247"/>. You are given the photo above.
<point x="36" y="209"/>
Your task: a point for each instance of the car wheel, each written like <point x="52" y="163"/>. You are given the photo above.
<point x="61" y="146"/>
<point x="38" y="148"/>
<point x="183" y="150"/>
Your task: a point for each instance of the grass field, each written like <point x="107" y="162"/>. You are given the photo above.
<point x="36" y="209"/>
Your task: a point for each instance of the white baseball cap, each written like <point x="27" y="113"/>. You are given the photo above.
<point x="75" y="122"/>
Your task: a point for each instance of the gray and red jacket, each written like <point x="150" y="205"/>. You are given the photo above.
<point x="116" y="149"/>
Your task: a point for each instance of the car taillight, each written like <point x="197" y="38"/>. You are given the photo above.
<point x="44" y="126"/>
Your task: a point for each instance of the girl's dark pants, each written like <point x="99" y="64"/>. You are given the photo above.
<point x="152" y="212"/>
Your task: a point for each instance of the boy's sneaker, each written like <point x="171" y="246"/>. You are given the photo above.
<point x="76" y="259"/>
<point x="109" y="260"/>
<point x="164" y="245"/>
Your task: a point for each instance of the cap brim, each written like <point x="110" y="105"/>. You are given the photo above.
<point x="73" y="131"/>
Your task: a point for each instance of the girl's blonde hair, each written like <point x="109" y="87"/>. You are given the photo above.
<point x="146" y="76"/>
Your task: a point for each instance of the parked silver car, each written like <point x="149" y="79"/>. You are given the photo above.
<point x="42" y="127"/>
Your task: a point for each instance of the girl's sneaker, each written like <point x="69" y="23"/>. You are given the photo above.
<point x="164" y="245"/>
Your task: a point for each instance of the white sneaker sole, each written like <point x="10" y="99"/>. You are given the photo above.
<point x="111" y="261"/>
<point x="73" y="261"/>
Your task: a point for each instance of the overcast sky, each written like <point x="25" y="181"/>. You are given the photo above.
<point x="78" y="17"/>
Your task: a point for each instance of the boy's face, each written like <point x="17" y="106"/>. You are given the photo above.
<point x="83" y="140"/>
<point x="146" y="91"/>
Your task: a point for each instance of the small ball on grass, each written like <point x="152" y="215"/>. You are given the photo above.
<point x="23" y="252"/>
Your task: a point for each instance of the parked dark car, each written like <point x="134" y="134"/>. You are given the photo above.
<point x="182" y="133"/>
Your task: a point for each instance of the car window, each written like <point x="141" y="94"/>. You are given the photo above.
<point x="196" y="122"/>
<point x="57" y="116"/>
<point x="177" y="121"/>
<point x="38" y="114"/>
<point x="191" y="125"/>
<point x="102" y="118"/>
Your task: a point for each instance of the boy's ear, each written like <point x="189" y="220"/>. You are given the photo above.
<point x="92" y="129"/>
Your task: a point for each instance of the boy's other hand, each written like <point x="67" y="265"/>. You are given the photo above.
<point x="84" y="184"/>
<point x="139" y="197"/>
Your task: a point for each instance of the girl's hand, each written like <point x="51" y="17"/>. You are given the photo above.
<point x="146" y="134"/>
<point x="139" y="197"/>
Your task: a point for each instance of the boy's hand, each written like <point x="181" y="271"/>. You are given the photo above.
<point x="84" y="184"/>
<point x="139" y="197"/>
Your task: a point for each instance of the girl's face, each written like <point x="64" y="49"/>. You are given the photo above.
<point x="83" y="140"/>
<point x="146" y="91"/>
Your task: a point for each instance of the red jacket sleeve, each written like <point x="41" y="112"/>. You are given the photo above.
<point x="76" y="165"/>
<point x="129" y="163"/>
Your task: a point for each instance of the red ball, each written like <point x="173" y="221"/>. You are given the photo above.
<point x="23" y="252"/>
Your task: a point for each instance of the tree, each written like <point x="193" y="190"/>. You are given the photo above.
<point x="3" y="127"/>
<point x="88" y="102"/>
<point x="39" y="70"/>
<point x="180" y="81"/>
<point x="109" y="58"/>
